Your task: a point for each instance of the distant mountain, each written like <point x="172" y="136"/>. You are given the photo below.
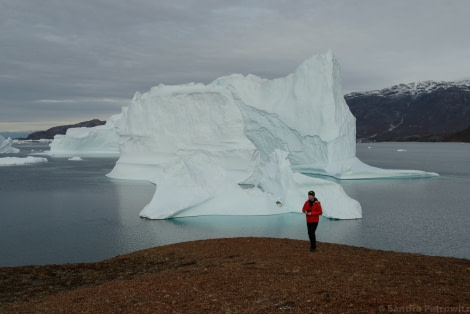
<point x="50" y="133"/>
<point x="423" y="111"/>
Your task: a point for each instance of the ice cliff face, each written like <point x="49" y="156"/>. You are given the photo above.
<point x="5" y="146"/>
<point x="170" y="124"/>
<point x="303" y="113"/>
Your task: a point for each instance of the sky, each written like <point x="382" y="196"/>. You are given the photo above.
<point x="66" y="61"/>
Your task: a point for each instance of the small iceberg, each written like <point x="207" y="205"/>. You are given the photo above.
<point x="5" y="146"/>
<point x="16" y="161"/>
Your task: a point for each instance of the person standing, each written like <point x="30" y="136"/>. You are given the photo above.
<point x="312" y="210"/>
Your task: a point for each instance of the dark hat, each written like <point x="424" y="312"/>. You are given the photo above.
<point x="311" y="193"/>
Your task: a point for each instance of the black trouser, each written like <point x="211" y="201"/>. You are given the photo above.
<point x="312" y="227"/>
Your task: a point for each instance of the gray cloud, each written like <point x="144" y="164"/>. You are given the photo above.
<point x="61" y="60"/>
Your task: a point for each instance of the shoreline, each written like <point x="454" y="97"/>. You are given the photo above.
<point x="240" y="275"/>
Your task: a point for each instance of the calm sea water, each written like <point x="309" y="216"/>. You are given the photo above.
<point x="69" y="211"/>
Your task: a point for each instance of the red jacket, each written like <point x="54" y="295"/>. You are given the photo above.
<point x="315" y="211"/>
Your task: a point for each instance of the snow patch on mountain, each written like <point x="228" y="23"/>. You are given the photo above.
<point x="413" y="89"/>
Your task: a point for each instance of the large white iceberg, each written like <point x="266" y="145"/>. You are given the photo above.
<point x="199" y="143"/>
<point x="238" y="145"/>
<point x="102" y="140"/>
<point x="5" y="146"/>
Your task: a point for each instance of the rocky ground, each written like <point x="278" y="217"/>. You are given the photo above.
<point x="243" y="275"/>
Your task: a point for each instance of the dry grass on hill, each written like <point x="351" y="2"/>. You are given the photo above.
<point x="242" y="275"/>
